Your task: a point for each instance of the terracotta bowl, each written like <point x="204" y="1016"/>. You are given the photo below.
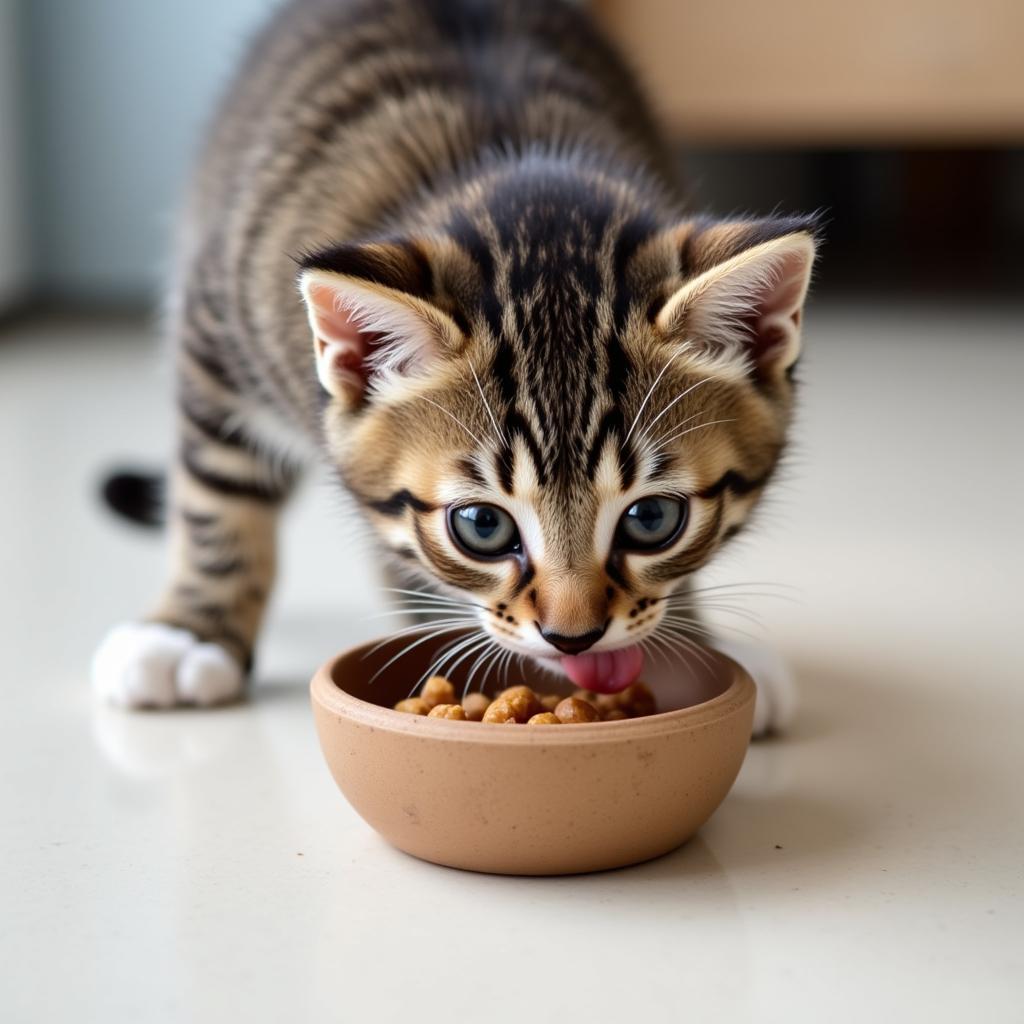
<point x="531" y="800"/>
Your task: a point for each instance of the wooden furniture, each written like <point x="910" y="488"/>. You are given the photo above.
<point x="904" y="72"/>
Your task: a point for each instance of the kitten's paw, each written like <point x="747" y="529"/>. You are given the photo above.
<point x="776" y="690"/>
<point x="150" y="665"/>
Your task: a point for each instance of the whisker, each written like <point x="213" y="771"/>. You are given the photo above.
<point x="716" y="606"/>
<point x="678" y="640"/>
<point x="430" y="595"/>
<point x="650" y="444"/>
<point x="712" y="635"/>
<point x="418" y="628"/>
<point x="696" y="624"/>
<point x="646" y="431"/>
<point x="502" y="440"/>
<point x="647" y="397"/>
<point x="698" y="609"/>
<point x="732" y="592"/>
<point x="456" y="419"/>
<point x="656" y="645"/>
<point x="447" y="651"/>
<point x="506" y="665"/>
<point x="410" y="647"/>
<point x="489" y="652"/>
<point x="464" y="654"/>
<point x="421" y="610"/>
<point x="746" y="583"/>
<point x="700" y="426"/>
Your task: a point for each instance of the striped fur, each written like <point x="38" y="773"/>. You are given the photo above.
<point x="484" y="180"/>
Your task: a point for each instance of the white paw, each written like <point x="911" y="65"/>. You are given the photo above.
<point x="150" y="665"/>
<point x="776" y="690"/>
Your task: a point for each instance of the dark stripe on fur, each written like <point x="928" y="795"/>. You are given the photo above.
<point x="222" y="567"/>
<point x="207" y="537"/>
<point x="732" y="531"/>
<point x="210" y="365"/>
<point x="251" y="490"/>
<point x="210" y="424"/>
<point x="611" y="423"/>
<point x="632" y="235"/>
<point x="516" y="423"/>
<point x="525" y="579"/>
<point x="615" y="567"/>
<point x="736" y="482"/>
<point x="472" y="472"/>
<point x="455" y="573"/>
<point x="199" y="519"/>
<point x="694" y="555"/>
<point x="396" y="504"/>
<point x="401" y="265"/>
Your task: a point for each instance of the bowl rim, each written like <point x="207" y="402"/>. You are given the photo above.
<point x="326" y="693"/>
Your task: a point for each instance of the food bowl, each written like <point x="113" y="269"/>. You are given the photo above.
<point x="531" y="800"/>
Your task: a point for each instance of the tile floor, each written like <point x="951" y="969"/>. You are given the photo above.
<point x="869" y="866"/>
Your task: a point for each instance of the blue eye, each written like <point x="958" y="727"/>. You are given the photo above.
<point x="652" y="523"/>
<point x="485" y="531"/>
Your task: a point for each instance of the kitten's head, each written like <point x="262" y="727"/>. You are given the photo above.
<point x="557" y="407"/>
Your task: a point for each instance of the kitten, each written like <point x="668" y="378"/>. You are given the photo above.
<point x="438" y="243"/>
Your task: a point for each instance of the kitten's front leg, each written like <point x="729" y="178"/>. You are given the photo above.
<point x="196" y="647"/>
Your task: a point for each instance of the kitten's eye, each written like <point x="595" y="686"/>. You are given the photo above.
<point x="484" y="531"/>
<point x="652" y="523"/>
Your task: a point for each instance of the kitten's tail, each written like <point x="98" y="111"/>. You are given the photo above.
<point x="137" y="496"/>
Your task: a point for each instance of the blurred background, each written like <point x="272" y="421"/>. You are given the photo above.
<point x="902" y="120"/>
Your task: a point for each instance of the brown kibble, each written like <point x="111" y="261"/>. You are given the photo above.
<point x="549" y="701"/>
<point x="522" y="707"/>
<point x="437" y="690"/>
<point x="521" y="693"/>
<point x="572" y="710"/>
<point x="455" y="711"/>
<point x="637" y="701"/>
<point x="413" y="706"/>
<point x="501" y="712"/>
<point x="475" y="704"/>
<point x="544" y="718"/>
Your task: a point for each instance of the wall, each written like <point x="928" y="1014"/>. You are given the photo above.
<point x="118" y="93"/>
<point x="14" y="258"/>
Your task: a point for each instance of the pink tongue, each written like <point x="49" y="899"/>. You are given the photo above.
<point x="605" y="671"/>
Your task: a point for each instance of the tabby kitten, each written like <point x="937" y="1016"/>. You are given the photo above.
<point x="552" y="393"/>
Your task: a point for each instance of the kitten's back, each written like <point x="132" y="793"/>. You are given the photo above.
<point x="347" y="113"/>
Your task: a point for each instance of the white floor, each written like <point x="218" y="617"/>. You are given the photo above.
<point x="870" y="866"/>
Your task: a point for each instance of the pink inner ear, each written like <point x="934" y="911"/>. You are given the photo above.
<point x="342" y="345"/>
<point x="774" y="322"/>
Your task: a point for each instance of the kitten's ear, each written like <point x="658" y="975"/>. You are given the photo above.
<point x="372" y="310"/>
<point x="744" y="306"/>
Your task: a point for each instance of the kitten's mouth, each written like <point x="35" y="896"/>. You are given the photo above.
<point x="604" y="671"/>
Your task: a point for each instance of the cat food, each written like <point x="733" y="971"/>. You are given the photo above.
<point x="524" y="699"/>
<point x="520" y="705"/>
<point x="573" y="710"/>
<point x="455" y="711"/>
<point x="414" y="706"/>
<point x="437" y="690"/>
<point x="544" y="718"/>
<point x="475" y="705"/>
<point x="512" y="707"/>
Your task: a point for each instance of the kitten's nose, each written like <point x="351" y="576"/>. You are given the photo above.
<point x="572" y="644"/>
